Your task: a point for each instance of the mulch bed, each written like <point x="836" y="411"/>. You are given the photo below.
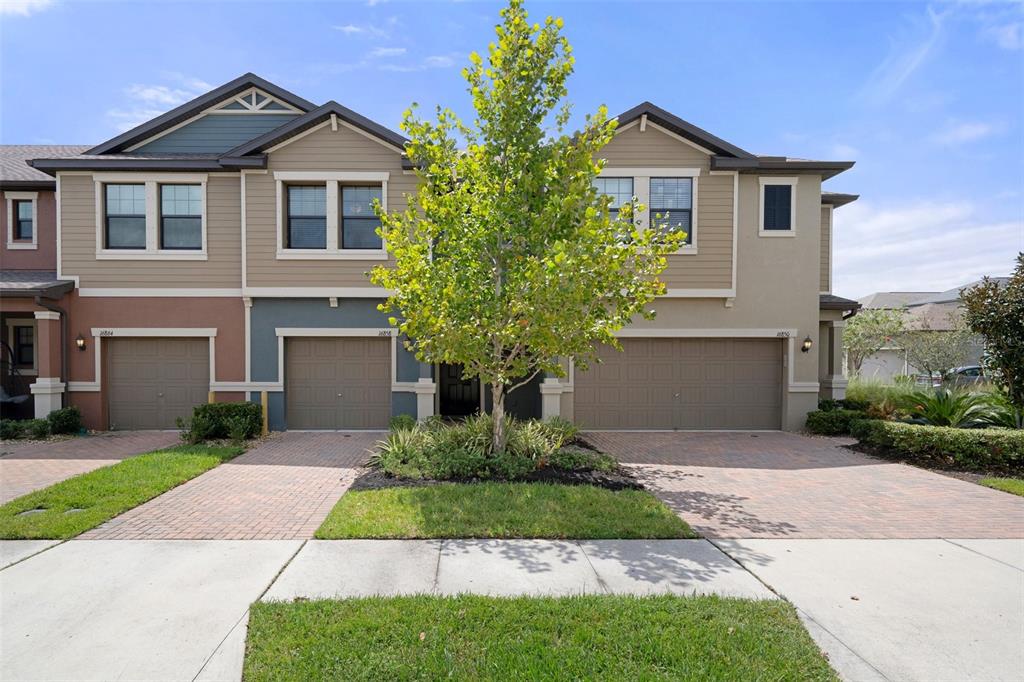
<point x="374" y="479"/>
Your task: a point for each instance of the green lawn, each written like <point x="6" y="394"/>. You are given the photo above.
<point x="1010" y="485"/>
<point x="569" y="638"/>
<point x="501" y="510"/>
<point x="104" y="493"/>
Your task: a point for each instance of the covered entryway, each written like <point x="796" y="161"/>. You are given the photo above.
<point x="153" y="381"/>
<point x="683" y="383"/>
<point x="337" y="382"/>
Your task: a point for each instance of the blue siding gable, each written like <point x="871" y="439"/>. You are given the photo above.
<point x="215" y="133"/>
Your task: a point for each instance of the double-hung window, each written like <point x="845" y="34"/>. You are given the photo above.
<point x="24" y="346"/>
<point x="23" y="224"/>
<point x="307" y="217"/>
<point x="359" y="223"/>
<point x="671" y="206"/>
<point x="125" y="221"/>
<point x="619" y="189"/>
<point x="181" y="217"/>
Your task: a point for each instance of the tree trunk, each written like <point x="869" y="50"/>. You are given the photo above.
<point x="498" y="435"/>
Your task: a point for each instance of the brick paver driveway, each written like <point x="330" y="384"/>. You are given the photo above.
<point x="784" y="485"/>
<point x="280" y="490"/>
<point x="25" y="467"/>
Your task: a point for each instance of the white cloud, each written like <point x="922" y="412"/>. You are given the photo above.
<point x="387" y="52"/>
<point x="366" y="30"/>
<point x="905" y="58"/>
<point x="845" y="152"/>
<point x="1007" y="36"/>
<point x="965" y="131"/>
<point x="149" y="101"/>
<point x="921" y="246"/>
<point x="439" y="61"/>
<point x="24" y="8"/>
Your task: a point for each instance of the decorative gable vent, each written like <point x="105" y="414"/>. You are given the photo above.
<point x="253" y="101"/>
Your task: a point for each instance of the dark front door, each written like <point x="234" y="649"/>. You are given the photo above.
<point x="459" y="397"/>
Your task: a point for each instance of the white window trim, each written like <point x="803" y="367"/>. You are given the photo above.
<point x="152" y="181"/>
<point x="642" y="190"/>
<point x="764" y="182"/>
<point x="23" y="245"/>
<point x="12" y="324"/>
<point x="332" y="180"/>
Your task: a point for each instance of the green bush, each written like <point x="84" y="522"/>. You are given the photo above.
<point x="577" y="459"/>
<point x="830" y="405"/>
<point x="943" y="407"/>
<point x="238" y="421"/>
<point x="402" y="421"/>
<point x="832" y="422"/>
<point x="11" y="429"/>
<point x="987" y="450"/>
<point x="438" y="450"/>
<point x="37" y="428"/>
<point x="874" y="392"/>
<point x="65" y="420"/>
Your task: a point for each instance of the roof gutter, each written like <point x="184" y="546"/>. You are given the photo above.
<point x="52" y="166"/>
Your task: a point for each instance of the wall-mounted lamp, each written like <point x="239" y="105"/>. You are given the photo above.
<point x="806" y="345"/>
<point x="80" y="342"/>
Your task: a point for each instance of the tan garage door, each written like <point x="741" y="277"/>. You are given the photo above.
<point x="338" y="383"/>
<point x="154" y="381"/>
<point x="683" y="384"/>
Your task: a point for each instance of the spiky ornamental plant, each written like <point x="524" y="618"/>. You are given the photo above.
<point x="506" y="259"/>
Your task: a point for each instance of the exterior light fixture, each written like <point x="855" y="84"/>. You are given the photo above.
<point x="80" y="342"/>
<point x="806" y="345"/>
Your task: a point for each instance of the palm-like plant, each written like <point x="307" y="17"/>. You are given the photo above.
<point x="1002" y="412"/>
<point x="944" y="407"/>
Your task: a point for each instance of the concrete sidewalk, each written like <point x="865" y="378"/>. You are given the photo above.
<point x="359" y="568"/>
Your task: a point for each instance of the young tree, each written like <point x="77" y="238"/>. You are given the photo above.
<point x="936" y="351"/>
<point x="506" y="259"/>
<point x="997" y="314"/>
<point x="868" y="332"/>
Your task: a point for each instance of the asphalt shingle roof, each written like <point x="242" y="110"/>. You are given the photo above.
<point x="13" y="157"/>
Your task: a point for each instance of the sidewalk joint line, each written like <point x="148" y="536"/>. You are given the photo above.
<point x="982" y="554"/>
<point x="44" y="549"/>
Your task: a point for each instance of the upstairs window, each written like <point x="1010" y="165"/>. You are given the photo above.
<point x="307" y="217"/>
<point x="23" y="225"/>
<point x="359" y="223"/>
<point x="671" y="205"/>
<point x="619" y="189"/>
<point x="181" y="217"/>
<point x="125" y="220"/>
<point x="778" y="207"/>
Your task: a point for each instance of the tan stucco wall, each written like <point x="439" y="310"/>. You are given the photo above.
<point x="321" y="150"/>
<point x="44" y="256"/>
<point x="221" y="270"/>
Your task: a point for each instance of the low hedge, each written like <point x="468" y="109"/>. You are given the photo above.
<point x="987" y="450"/>
<point x="65" y="420"/>
<point x="833" y="422"/>
<point x="237" y="421"/>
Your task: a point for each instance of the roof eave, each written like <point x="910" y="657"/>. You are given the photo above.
<point x="53" y="166"/>
<point x="682" y="128"/>
<point x="28" y="185"/>
<point x="826" y="169"/>
<point x="53" y="291"/>
<point x="836" y="199"/>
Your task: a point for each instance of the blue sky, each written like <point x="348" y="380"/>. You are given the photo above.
<point x="927" y="98"/>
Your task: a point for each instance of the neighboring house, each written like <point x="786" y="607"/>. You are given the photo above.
<point x="223" y="247"/>
<point x="31" y="295"/>
<point x="933" y="310"/>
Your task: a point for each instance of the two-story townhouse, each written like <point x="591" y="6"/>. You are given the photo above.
<point x="223" y="248"/>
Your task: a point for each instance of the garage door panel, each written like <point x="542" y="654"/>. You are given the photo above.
<point x="154" y="381"/>
<point x="338" y="382"/>
<point x="683" y="383"/>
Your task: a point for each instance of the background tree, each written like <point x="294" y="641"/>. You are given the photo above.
<point x="936" y="351"/>
<point x="997" y="314"/>
<point x="506" y="259"/>
<point x="868" y="332"/>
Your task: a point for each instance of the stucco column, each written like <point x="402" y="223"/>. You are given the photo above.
<point x="48" y="388"/>
<point x="424" y="389"/>
<point x="833" y="383"/>
<point x="550" y="398"/>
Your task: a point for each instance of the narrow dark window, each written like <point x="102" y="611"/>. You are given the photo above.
<point x="24" y="346"/>
<point x="671" y="206"/>
<point x="778" y="207"/>
<point x="126" y="216"/>
<point x="307" y="217"/>
<point x="181" y="217"/>
<point x="619" y="189"/>
<point x="23" y="226"/>
<point x="358" y="221"/>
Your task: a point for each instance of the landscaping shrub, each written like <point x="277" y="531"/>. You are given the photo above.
<point x="65" y="420"/>
<point x="438" y="450"/>
<point x="238" y="421"/>
<point x="37" y="428"/>
<point x="576" y="459"/>
<point x="11" y="429"/>
<point x="943" y="407"/>
<point x="873" y="392"/>
<point x="402" y="421"/>
<point x="832" y="422"/>
<point x="830" y="405"/>
<point x="988" y="450"/>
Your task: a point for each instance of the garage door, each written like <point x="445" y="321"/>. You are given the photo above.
<point x="683" y="384"/>
<point x="338" y="383"/>
<point x="154" y="381"/>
